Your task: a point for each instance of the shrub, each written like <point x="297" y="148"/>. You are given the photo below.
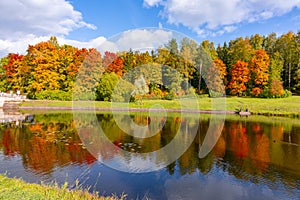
<point x="54" y="95"/>
<point x="268" y="94"/>
<point x="276" y="88"/>
<point x="170" y="96"/>
<point x="214" y="94"/>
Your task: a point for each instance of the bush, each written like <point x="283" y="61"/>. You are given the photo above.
<point x="54" y="95"/>
<point x="170" y="96"/>
<point x="214" y="94"/>
<point x="267" y="93"/>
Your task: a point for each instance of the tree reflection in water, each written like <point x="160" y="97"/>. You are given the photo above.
<point x="249" y="149"/>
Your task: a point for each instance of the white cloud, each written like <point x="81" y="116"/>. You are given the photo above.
<point x="138" y="39"/>
<point x="216" y="15"/>
<point x="20" y="45"/>
<point x="160" y="26"/>
<point x="150" y="3"/>
<point x="25" y="22"/>
<point x="94" y="43"/>
<point x="39" y="17"/>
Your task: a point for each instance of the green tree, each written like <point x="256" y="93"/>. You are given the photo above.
<point x="257" y="41"/>
<point x="275" y="81"/>
<point x="269" y="43"/>
<point x="172" y="46"/>
<point x="3" y="79"/>
<point x="106" y="86"/>
<point x="240" y="49"/>
<point x="209" y="47"/>
<point x="188" y="51"/>
<point x="286" y="45"/>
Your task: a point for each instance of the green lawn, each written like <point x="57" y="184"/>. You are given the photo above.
<point x="285" y="107"/>
<point x="12" y="188"/>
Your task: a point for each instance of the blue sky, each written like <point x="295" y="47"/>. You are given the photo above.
<point x="89" y="23"/>
<point x="113" y="17"/>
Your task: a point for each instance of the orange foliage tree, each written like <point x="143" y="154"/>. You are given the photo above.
<point x="43" y="59"/>
<point x="239" y="77"/>
<point x="259" y="66"/>
<point x="88" y="76"/>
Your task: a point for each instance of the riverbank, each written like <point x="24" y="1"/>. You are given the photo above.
<point x="12" y="188"/>
<point x="271" y="107"/>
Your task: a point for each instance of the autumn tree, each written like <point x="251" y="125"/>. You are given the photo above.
<point x="88" y="76"/>
<point x="215" y="78"/>
<point x="259" y="66"/>
<point x="129" y="60"/>
<point x="275" y="80"/>
<point x="239" y="77"/>
<point x="188" y="51"/>
<point x="67" y="68"/>
<point x="144" y="58"/>
<point x="11" y="68"/>
<point x="113" y="63"/>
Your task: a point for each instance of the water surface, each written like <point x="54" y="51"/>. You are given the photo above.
<point x="254" y="157"/>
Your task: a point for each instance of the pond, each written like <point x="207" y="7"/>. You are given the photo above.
<point x="252" y="157"/>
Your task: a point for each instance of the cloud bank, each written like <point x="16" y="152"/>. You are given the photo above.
<point x="138" y="40"/>
<point x="41" y="17"/>
<point x="219" y="16"/>
<point x="26" y="22"/>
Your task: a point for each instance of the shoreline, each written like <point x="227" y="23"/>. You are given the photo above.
<point x="288" y="107"/>
<point x="16" y="188"/>
<point x="220" y="112"/>
<point x="128" y="109"/>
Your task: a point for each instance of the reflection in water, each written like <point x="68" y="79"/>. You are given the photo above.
<point x="252" y="158"/>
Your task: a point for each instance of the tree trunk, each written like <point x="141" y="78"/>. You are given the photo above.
<point x="200" y="73"/>
<point x="290" y="76"/>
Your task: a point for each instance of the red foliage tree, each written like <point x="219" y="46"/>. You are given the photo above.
<point x="14" y="62"/>
<point x="112" y="63"/>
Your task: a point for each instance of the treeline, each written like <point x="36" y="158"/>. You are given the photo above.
<point x="258" y="66"/>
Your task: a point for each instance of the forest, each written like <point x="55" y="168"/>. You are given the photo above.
<point x="256" y="66"/>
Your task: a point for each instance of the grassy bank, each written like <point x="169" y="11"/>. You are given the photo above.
<point x="11" y="188"/>
<point x="280" y="107"/>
